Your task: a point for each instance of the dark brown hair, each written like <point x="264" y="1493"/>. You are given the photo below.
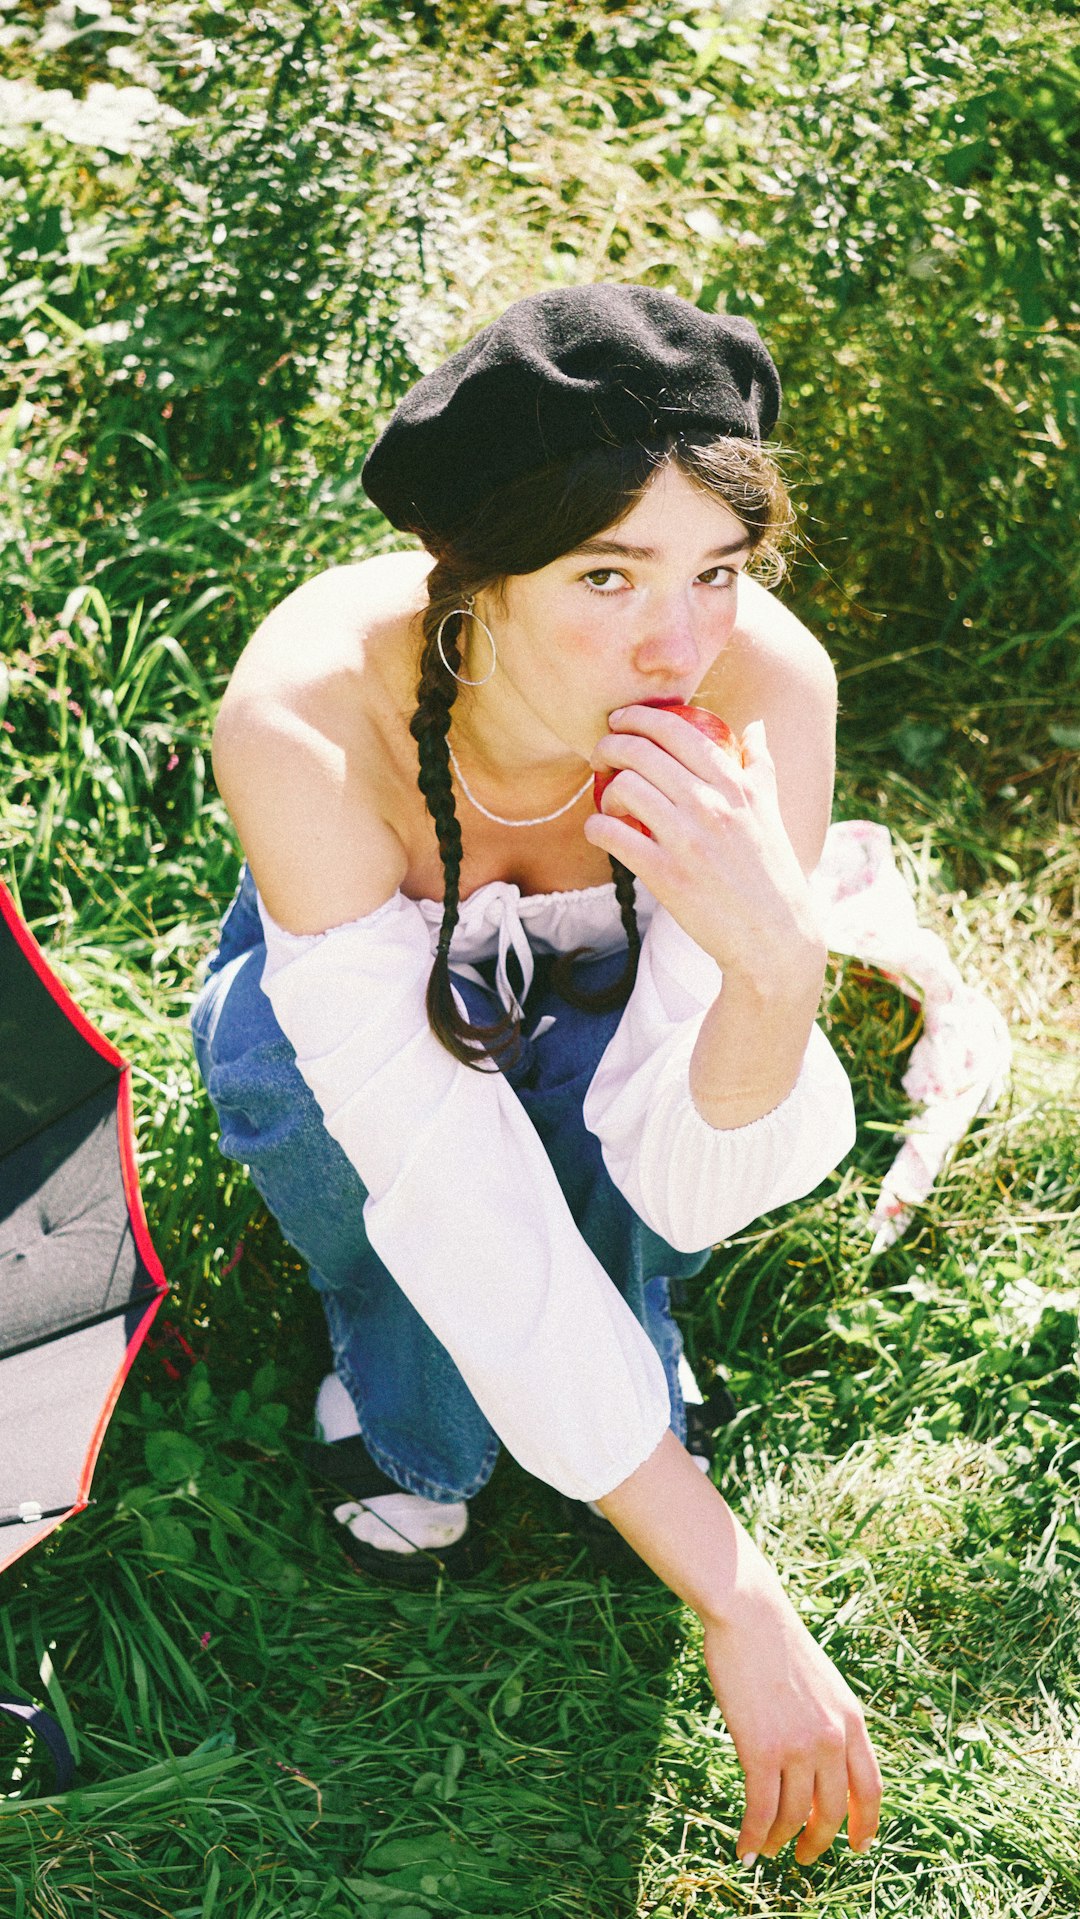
<point x="527" y="526"/>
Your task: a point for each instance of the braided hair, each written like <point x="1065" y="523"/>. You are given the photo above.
<point x="429" y="726"/>
<point x="530" y="524"/>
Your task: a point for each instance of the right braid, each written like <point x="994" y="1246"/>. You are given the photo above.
<point x="606" y="998"/>
<point x="624" y="893"/>
<point x="430" y="725"/>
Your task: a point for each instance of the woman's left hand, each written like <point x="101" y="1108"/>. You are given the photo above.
<point x="720" y="859"/>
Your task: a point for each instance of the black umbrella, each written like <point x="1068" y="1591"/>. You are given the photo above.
<point x="80" y="1281"/>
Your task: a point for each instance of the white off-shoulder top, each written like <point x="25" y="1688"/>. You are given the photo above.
<point x="463" y="1205"/>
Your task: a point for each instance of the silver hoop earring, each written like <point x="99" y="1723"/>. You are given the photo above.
<point x="459" y="677"/>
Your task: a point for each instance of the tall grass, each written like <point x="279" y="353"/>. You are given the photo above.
<point x="200" y="331"/>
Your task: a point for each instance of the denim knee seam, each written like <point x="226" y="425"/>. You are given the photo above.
<point x="409" y="1480"/>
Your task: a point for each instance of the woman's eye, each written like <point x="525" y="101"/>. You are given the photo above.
<point x="727" y="576"/>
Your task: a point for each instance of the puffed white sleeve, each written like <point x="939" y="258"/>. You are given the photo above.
<point x="693" y="1183"/>
<point x="463" y="1206"/>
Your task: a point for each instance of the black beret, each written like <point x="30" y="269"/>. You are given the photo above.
<point x="560" y="371"/>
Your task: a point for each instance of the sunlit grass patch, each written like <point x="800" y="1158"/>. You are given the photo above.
<point x="913" y="1563"/>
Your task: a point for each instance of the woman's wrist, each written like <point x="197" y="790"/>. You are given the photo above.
<point x="750" y="1048"/>
<point x="749" y="1579"/>
<point x="683" y="1528"/>
<point x="783" y="973"/>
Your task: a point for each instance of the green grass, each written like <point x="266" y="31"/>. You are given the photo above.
<point x="260" y="1731"/>
<point x="544" y="1743"/>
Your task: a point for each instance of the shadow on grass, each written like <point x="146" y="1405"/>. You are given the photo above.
<point x="262" y="1729"/>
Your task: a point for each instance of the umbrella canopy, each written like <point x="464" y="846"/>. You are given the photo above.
<point x="80" y="1281"/>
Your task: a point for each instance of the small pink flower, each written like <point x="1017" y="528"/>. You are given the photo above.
<point x="204" y="1640"/>
<point x="8" y="726"/>
<point x="74" y="707"/>
<point x="174" y="760"/>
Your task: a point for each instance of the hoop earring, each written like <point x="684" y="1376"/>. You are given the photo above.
<point x="459" y="677"/>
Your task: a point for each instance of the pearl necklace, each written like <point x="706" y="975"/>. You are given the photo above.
<point x="497" y="817"/>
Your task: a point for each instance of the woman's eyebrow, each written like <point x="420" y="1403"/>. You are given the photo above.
<point x="650" y="552"/>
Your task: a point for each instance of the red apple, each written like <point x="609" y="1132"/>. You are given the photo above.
<point x="707" y="723"/>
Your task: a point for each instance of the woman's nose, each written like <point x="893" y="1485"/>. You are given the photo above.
<point x="670" y="644"/>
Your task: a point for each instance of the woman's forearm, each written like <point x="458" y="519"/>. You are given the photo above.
<point x="754" y="1036"/>
<point x="677" y="1522"/>
<point x="798" y="1729"/>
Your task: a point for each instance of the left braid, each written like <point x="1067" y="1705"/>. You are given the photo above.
<point x="430" y="726"/>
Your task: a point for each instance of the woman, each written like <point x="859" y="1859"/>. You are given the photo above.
<point x="468" y="1032"/>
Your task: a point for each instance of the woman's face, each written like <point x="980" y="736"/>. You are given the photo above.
<point x="639" y="612"/>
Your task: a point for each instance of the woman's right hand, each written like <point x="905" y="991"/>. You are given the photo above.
<point x="798" y="1729"/>
<point x="797" y="1726"/>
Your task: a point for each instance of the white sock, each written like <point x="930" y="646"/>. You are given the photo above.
<point x="335" y="1414"/>
<point x="691" y="1391"/>
<point x="394" y="1522"/>
<point x="404" y="1522"/>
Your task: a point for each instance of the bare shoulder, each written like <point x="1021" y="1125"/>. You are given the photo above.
<point x="773" y="654"/>
<point x="774" y="669"/>
<point x="329" y="625"/>
<point x="299" y="745"/>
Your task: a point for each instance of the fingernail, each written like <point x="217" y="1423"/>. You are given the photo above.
<point x="748" y="1858"/>
<point x="618" y="713"/>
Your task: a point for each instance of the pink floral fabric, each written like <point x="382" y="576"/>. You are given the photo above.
<point x="959" y="1066"/>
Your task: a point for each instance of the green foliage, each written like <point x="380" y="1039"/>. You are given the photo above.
<point x="918" y="276"/>
<point x="202" y="1502"/>
<point x="267" y="242"/>
<point x="206" y="310"/>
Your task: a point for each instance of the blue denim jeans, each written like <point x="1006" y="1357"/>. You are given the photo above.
<point x="417" y="1416"/>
